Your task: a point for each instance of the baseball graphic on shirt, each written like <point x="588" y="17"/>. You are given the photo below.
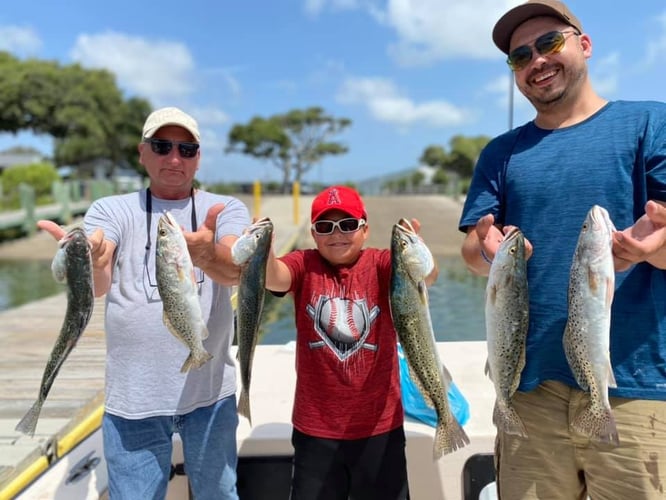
<point x="342" y="320"/>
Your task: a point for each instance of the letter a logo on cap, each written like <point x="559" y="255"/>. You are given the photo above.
<point x="334" y="197"/>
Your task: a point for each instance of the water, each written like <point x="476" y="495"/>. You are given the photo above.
<point x="456" y="308"/>
<point x="26" y="281"/>
<point x="456" y="300"/>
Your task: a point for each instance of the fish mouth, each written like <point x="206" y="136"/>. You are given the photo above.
<point x="168" y="219"/>
<point x="263" y="222"/>
<point x="74" y="233"/>
<point x="405" y="226"/>
<point x="513" y="233"/>
<point x="601" y="218"/>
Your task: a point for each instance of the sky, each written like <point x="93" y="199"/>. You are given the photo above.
<point x="407" y="73"/>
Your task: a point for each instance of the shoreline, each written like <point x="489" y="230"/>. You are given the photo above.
<point x="437" y="214"/>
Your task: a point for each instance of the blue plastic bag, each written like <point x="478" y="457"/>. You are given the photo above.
<point x="416" y="407"/>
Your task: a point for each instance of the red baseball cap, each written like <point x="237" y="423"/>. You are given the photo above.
<point x="341" y="198"/>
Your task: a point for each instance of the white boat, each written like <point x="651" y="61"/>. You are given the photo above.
<point x="265" y="449"/>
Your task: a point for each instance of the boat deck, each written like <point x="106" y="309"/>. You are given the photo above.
<point x="28" y="333"/>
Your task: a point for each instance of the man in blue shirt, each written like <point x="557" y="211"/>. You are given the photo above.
<point x="543" y="177"/>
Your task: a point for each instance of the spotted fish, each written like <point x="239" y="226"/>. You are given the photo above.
<point x="179" y="292"/>
<point x="411" y="262"/>
<point x="507" y="314"/>
<point x="250" y="252"/>
<point x="71" y="265"/>
<point x="587" y="334"/>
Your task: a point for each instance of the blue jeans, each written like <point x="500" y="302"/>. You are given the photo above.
<point x="138" y="453"/>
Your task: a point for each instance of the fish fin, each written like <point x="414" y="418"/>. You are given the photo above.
<point x="491" y="294"/>
<point x="573" y="357"/>
<point x="423" y="292"/>
<point x="170" y="327"/>
<point x="183" y="274"/>
<point x="59" y="266"/>
<point x="486" y="370"/>
<point x="611" y="375"/>
<point x="506" y="418"/>
<point x="446" y="376"/>
<point x="417" y="382"/>
<point x="449" y="437"/>
<point x="196" y="359"/>
<point x="28" y="424"/>
<point x="204" y="332"/>
<point x="593" y="280"/>
<point x="610" y="291"/>
<point x="244" y="405"/>
<point x="597" y="423"/>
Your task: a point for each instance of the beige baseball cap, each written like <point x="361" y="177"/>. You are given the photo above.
<point x="170" y="116"/>
<point x="532" y="8"/>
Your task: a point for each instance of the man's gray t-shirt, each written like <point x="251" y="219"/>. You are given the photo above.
<point x="143" y="362"/>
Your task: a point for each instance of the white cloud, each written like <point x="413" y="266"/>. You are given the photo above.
<point x="656" y="48"/>
<point x="604" y="75"/>
<point x="315" y="7"/>
<point x="387" y="104"/>
<point x="158" y="70"/>
<point x="433" y="30"/>
<point x="19" y="40"/>
<point x="503" y="88"/>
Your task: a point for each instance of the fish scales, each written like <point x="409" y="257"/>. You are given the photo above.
<point x="507" y="321"/>
<point x="250" y="252"/>
<point x="586" y="338"/>
<point x="71" y="265"/>
<point x="179" y="292"/>
<point x="411" y="262"/>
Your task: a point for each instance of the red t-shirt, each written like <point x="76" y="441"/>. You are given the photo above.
<point x="347" y="376"/>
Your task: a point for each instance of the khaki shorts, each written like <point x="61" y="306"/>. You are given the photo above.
<point x="555" y="462"/>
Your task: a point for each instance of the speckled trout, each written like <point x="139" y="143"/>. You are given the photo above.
<point x="71" y="265"/>
<point x="178" y="289"/>
<point x="411" y="262"/>
<point x="507" y="315"/>
<point x="587" y="334"/>
<point x="250" y="252"/>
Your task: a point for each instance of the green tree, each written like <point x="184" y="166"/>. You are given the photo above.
<point x="295" y="142"/>
<point x="40" y="176"/>
<point x="83" y="110"/>
<point x="460" y="159"/>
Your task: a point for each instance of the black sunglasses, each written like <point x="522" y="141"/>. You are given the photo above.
<point x="344" y="225"/>
<point x="547" y="44"/>
<point x="163" y="147"/>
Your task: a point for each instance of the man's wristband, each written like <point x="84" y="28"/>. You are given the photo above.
<point x="485" y="257"/>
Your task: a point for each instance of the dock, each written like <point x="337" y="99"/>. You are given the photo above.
<point x="28" y="333"/>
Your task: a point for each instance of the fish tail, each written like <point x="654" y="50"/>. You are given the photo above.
<point x="449" y="437"/>
<point x="506" y="418"/>
<point x="28" y="423"/>
<point x="196" y="359"/>
<point x="597" y="422"/>
<point x="244" y="404"/>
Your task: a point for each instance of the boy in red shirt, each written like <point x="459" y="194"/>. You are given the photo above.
<point x="348" y="434"/>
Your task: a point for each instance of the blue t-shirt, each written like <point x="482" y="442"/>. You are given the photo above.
<point x="544" y="182"/>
